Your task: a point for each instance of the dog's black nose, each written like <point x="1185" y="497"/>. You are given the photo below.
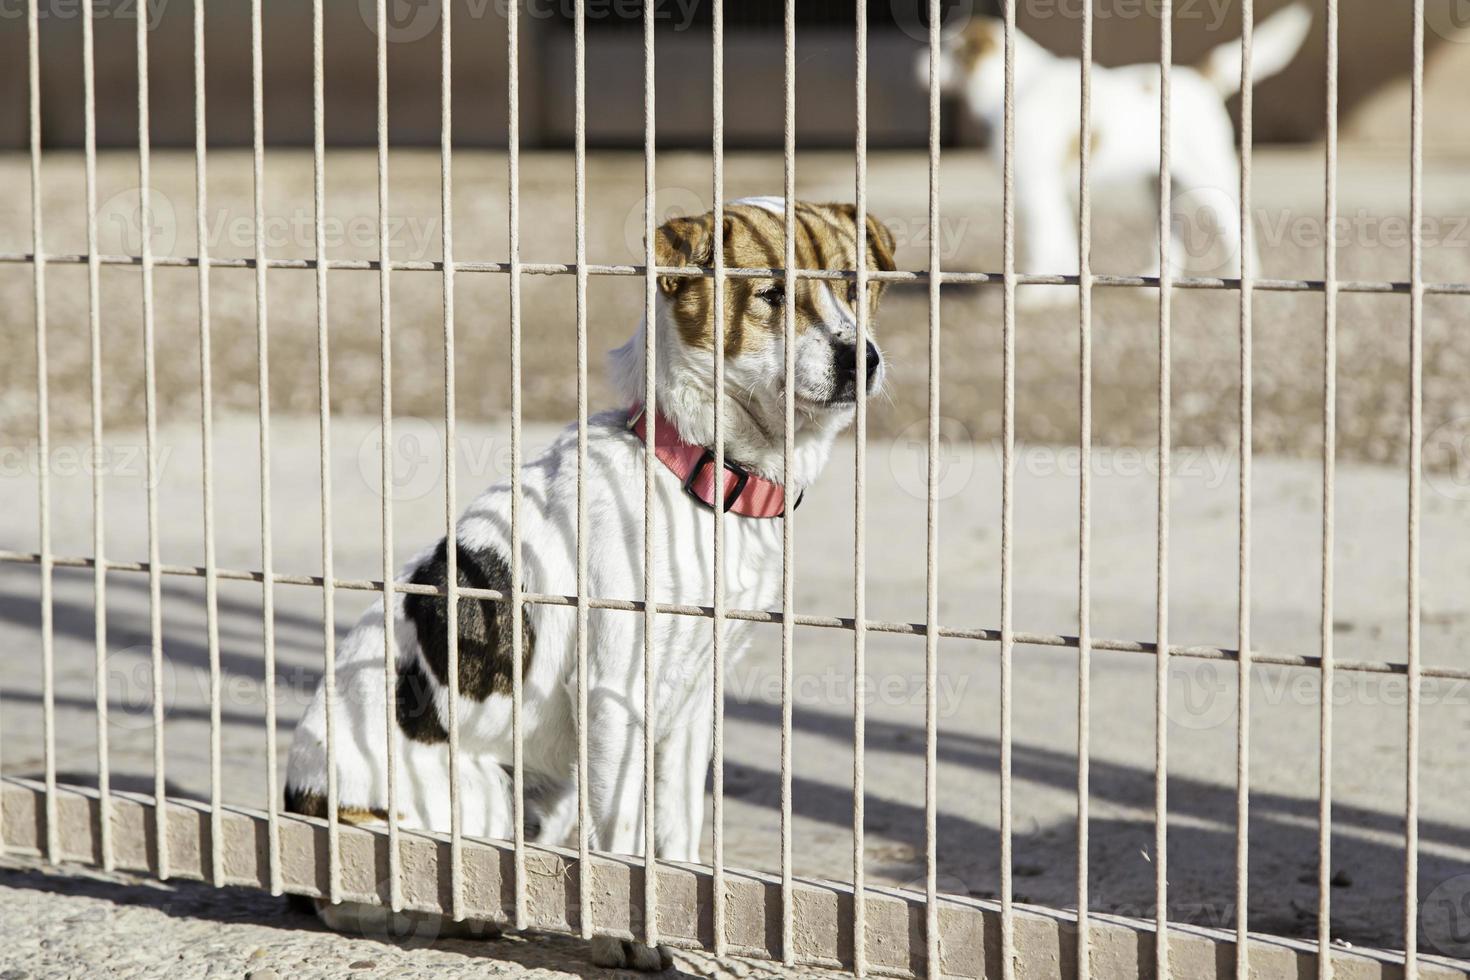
<point x="846" y="361"/>
<point x="872" y="361"/>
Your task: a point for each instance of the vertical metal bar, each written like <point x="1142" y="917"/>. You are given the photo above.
<point x="262" y="364"/>
<point x="329" y="635"/>
<point x="1161" y="664"/>
<point x="1416" y="451"/>
<point x="451" y="545"/>
<point x="1084" y="495"/>
<point x="1243" y="608"/>
<point x="206" y="434"/>
<point x="150" y="413"/>
<point x="43" y="441"/>
<point x="1007" y="492"/>
<point x="860" y="501"/>
<point x="788" y="445"/>
<point x="99" y="536"/>
<point x="717" y="623"/>
<point x="585" y="916"/>
<point x="385" y="377"/>
<point x="931" y="542"/>
<point x="650" y="361"/>
<point x="513" y="168"/>
<point x="1329" y="507"/>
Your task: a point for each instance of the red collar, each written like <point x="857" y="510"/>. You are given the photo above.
<point x="745" y="493"/>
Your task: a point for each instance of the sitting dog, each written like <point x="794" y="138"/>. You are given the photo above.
<point x="1124" y="142"/>
<point x="755" y="493"/>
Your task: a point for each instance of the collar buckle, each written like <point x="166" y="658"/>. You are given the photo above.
<point x="742" y="477"/>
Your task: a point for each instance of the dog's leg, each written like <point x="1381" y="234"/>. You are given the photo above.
<point x="1048" y="238"/>
<point x="683" y="762"/>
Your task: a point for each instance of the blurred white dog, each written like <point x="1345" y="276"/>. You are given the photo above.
<point x="1124" y="142"/>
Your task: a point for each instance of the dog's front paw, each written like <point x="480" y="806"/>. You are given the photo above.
<point x="627" y="954"/>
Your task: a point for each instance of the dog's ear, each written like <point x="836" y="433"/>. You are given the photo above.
<point x="685" y="241"/>
<point x="881" y="244"/>
<point x="880" y="240"/>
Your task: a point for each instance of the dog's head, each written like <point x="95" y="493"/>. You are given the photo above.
<point x="972" y="65"/>
<point x="826" y="381"/>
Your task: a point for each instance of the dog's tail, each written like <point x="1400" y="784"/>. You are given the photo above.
<point x="1274" y="44"/>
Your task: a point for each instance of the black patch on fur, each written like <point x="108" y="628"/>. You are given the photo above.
<point x="414" y="707"/>
<point x="306" y="803"/>
<point x="485" y="626"/>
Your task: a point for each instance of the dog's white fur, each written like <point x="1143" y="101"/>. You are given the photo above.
<point x="1125" y="137"/>
<point x="548" y="519"/>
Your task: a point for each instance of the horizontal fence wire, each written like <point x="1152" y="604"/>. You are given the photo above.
<point x="980" y="633"/>
<point x="949" y="277"/>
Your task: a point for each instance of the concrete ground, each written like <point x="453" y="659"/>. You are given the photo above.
<point x="1368" y="621"/>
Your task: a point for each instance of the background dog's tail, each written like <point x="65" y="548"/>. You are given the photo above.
<point x="1274" y="44"/>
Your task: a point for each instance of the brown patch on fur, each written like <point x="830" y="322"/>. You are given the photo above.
<point x="982" y="39"/>
<point x="754" y="238"/>
<point x="1074" y="146"/>
<point x="309" y="804"/>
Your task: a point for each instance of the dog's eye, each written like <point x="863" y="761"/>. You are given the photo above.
<point x="773" y="295"/>
<point x="852" y="294"/>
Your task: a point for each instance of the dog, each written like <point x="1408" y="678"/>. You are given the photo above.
<point x="754" y="492"/>
<point x="1124" y="143"/>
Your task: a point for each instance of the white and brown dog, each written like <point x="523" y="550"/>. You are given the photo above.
<point x="754" y="490"/>
<point x="1124" y="143"/>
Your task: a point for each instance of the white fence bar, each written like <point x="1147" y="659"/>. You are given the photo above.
<point x="517" y="627"/>
<point x="1084" y="493"/>
<point x="385" y="379"/>
<point x="262" y="357"/>
<point x="1329" y="508"/>
<point x="206" y="439"/>
<point x="585" y="910"/>
<point x="788" y="444"/>
<point x="150" y="412"/>
<point x="1416" y="467"/>
<point x="451" y="510"/>
<point x="1243" y="597"/>
<point x="1007" y="489"/>
<point x="931" y="537"/>
<point x="99" y="524"/>
<point x="43" y="437"/>
<point x="1161" y="664"/>
<point x="860" y="508"/>
<point x="717" y="649"/>
<point x="650" y="402"/>
<point x="329" y="618"/>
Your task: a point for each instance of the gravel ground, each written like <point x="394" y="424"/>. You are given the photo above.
<point x="70" y="922"/>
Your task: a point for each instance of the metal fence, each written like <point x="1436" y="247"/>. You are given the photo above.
<point x="862" y="928"/>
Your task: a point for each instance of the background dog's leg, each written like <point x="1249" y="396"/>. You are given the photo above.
<point x="1048" y="238"/>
